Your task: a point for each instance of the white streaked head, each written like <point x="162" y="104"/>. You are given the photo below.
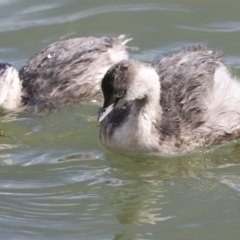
<point x="10" y="88"/>
<point x="128" y="81"/>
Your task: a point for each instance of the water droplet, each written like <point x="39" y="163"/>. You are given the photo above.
<point x="51" y="55"/>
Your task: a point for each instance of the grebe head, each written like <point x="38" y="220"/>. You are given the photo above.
<point x="128" y="81"/>
<point x="10" y="87"/>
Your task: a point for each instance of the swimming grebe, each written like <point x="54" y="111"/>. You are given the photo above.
<point x="187" y="100"/>
<point x="69" y="70"/>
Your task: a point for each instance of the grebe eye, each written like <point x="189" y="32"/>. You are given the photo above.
<point x="120" y="94"/>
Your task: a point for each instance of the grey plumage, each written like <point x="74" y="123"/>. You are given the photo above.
<point x="184" y="87"/>
<point x="197" y="104"/>
<point x="69" y="70"/>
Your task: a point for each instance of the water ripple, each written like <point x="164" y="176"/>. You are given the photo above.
<point x="7" y="2"/>
<point x="16" y="21"/>
<point x="218" y="27"/>
<point x="38" y="8"/>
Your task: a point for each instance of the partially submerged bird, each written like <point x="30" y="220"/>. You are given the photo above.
<point x="186" y="101"/>
<point x="69" y="70"/>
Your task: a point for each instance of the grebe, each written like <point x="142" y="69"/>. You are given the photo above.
<point x="68" y="70"/>
<point x="186" y="101"/>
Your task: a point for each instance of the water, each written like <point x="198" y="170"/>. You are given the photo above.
<point x="56" y="179"/>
